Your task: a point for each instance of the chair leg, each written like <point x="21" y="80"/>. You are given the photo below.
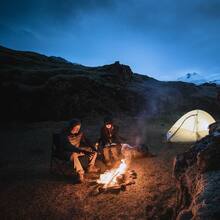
<point x="51" y="158"/>
<point x="59" y="166"/>
<point x="63" y="169"/>
<point x="51" y="164"/>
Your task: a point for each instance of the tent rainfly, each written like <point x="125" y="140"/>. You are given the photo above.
<point x="190" y="127"/>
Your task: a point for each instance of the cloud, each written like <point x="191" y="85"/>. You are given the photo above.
<point x="161" y="38"/>
<point x="57" y="11"/>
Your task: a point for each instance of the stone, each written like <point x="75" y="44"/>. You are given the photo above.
<point x="197" y="172"/>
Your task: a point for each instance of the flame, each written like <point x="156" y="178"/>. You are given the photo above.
<point x="109" y="177"/>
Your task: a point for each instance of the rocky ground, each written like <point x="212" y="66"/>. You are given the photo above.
<point x="29" y="191"/>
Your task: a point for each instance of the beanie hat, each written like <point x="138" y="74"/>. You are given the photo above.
<point x="108" y="120"/>
<point x="74" y="122"/>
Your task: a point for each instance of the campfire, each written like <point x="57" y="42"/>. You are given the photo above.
<point x="116" y="178"/>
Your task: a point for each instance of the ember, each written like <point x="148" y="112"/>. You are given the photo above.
<point x="109" y="178"/>
<point x="117" y="178"/>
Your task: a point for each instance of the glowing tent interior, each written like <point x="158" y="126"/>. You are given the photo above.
<point x="190" y="127"/>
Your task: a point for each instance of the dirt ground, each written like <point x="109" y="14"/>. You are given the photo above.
<point x="29" y="191"/>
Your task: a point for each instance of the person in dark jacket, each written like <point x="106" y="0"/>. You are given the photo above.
<point x="75" y="145"/>
<point x="110" y="140"/>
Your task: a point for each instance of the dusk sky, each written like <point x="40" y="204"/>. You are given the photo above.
<point x="164" y="39"/>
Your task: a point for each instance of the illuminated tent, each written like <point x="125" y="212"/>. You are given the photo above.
<point x="190" y="127"/>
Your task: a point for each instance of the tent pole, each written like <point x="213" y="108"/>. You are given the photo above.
<point x="181" y="125"/>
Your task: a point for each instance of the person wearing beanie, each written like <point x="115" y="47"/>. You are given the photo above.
<point x="75" y="145"/>
<point x="110" y="140"/>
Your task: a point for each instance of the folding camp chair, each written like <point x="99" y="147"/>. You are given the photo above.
<point x="58" y="163"/>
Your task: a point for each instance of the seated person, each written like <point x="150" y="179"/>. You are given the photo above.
<point x="75" y="145"/>
<point x="110" y="140"/>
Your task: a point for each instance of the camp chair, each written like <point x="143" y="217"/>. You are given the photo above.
<point x="57" y="161"/>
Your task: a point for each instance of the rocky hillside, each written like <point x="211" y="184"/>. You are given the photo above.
<point x="34" y="87"/>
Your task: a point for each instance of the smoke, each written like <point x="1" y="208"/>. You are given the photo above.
<point x="156" y="107"/>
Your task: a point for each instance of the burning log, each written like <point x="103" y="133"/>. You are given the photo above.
<point x="116" y="179"/>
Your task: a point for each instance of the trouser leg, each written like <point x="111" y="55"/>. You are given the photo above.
<point x="114" y="153"/>
<point x="128" y="156"/>
<point x="106" y="152"/>
<point x="76" y="163"/>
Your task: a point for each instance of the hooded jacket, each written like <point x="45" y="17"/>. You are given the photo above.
<point x="109" y="136"/>
<point x="73" y="142"/>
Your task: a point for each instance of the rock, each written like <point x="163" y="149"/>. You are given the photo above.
<point x="206" y="199"/>
<point x="122" y="72"/>
<point x="167" y="214"/>
<point x="185" y="215"/>
<point x="179" y="165"/>
<point x="188" y="158"/>
<point x="197" y="172"/>
<point x="208" y="159"/>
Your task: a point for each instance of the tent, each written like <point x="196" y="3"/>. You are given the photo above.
<point x="190" y="127"/>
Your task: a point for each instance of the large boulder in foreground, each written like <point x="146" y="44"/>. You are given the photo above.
<point x="197" y="173"/>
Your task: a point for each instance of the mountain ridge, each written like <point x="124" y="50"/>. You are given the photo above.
<point x="35" y="88"/>
<point x="199" y="79"/>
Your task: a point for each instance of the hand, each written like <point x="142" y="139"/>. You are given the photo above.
<point x="88" y="153"/>
<point x="96" y="145"/>
<point x="94" y="149"/>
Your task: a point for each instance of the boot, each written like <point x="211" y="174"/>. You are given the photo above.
<point x="81" y="178"/>
<point x="108" y="163"/>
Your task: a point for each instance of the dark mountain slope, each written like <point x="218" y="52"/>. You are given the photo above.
<point x="35" y="87"/>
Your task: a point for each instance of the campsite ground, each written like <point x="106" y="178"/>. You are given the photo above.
<point x="38" y="88"/>
<point x="29" y="191"/>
